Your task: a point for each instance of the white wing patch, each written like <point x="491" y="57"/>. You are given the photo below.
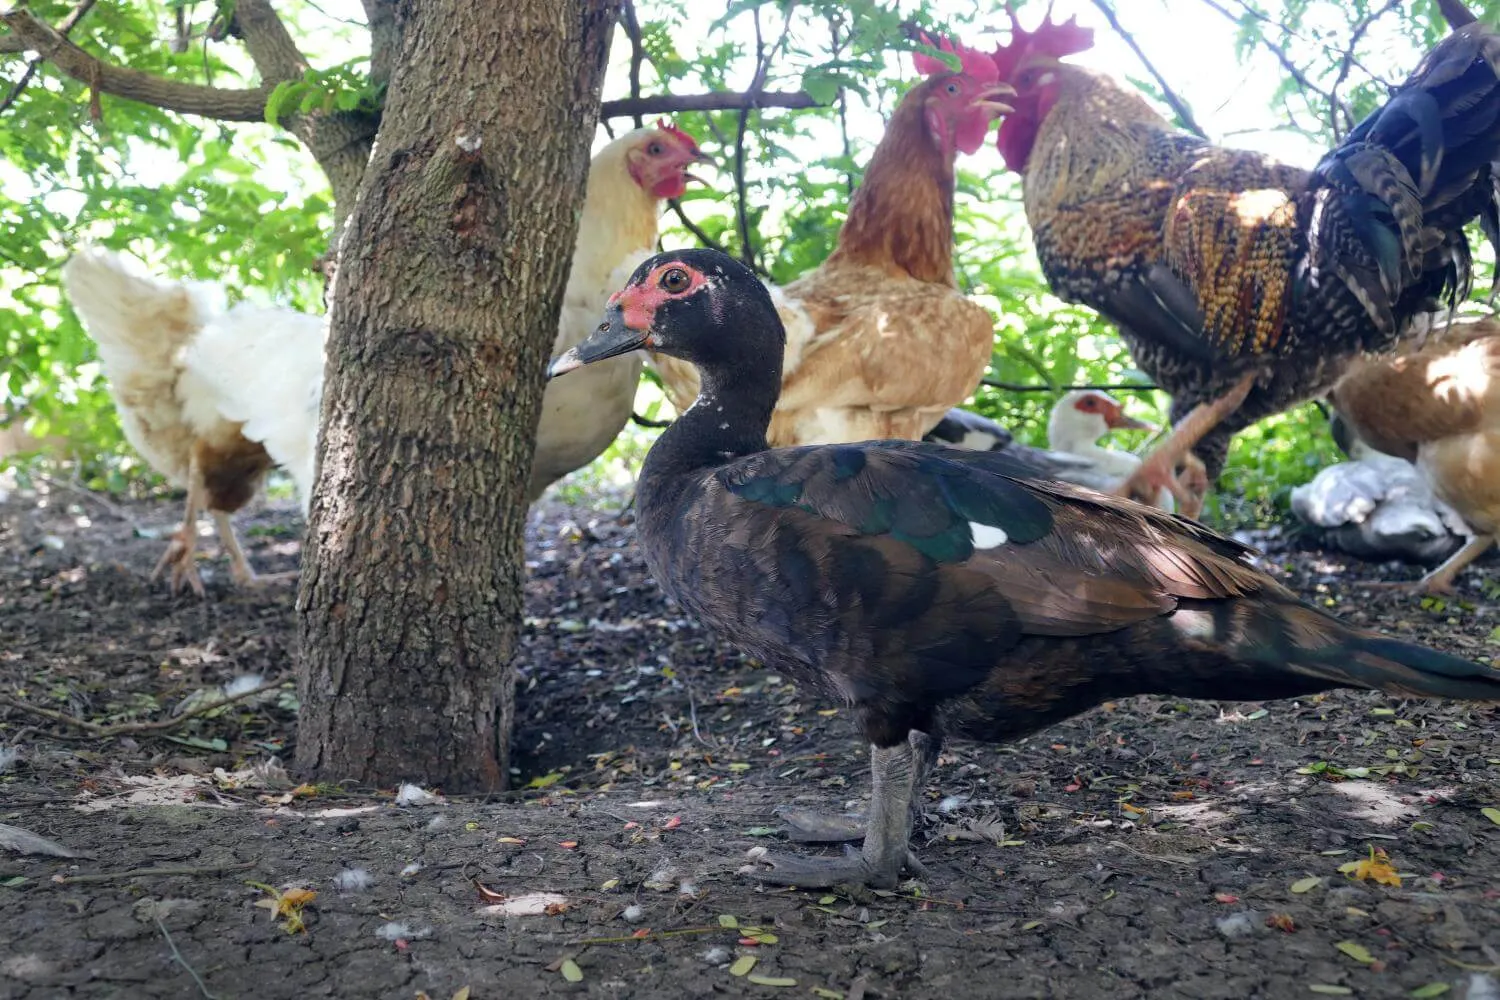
<point x="987" y="536"/>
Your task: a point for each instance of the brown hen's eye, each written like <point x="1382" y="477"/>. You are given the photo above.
<point x="952" y="88"/>
<point x="675" y="280"/>
<point x="654" y="149"/>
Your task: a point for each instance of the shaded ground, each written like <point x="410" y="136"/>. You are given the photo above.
<point x="1146" y="849"/>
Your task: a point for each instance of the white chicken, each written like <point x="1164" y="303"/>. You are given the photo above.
<point x="627" y="181"/>
<point x="210" y="398"/>
<point x="213" y="398"/>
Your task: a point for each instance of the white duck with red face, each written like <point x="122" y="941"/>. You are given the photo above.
<point x="1079" y="420"/>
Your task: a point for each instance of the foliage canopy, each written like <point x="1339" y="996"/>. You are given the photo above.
<point x="243" y="203"/>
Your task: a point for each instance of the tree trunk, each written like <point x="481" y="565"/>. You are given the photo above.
<point x="450" y="282"/>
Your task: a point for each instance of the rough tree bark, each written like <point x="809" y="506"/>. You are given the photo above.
<point x="450" y="283"/>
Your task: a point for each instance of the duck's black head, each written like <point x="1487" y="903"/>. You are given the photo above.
<point x="702" y="306"/>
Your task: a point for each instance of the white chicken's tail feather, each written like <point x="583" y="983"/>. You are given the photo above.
<point x="138" y="322"/>
<point x="265" y="368"/>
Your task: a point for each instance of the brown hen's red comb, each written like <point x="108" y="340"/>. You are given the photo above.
<point x="1049" y="39"/>
<point x="668" y="127"/>
<point x="972" y="62"/>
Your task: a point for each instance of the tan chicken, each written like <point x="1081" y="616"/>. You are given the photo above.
<point x="1438" y="407"/>
<point x="880" y="341"/>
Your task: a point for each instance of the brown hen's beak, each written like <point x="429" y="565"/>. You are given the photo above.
<point x="987" y="98"/>
<point x="612" y="339"/>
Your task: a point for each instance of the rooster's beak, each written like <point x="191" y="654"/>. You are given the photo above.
<point x="987" y="98"/>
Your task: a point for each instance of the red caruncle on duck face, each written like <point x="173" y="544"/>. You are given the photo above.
<point x="639" y="300"/>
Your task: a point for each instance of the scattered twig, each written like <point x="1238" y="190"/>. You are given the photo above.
<point x="170" y="872"/>
<point x="657" y="936"/>
<point x="177" y="956"/>
<point x="97" y="731"/>
<point x="67" y="25"/>
<point x="671" y="104"/>
<point x="692" y="227"/>
<point x="1178" y="104"/>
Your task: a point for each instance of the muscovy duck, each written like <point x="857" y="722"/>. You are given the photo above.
<point x="939" y="592"/>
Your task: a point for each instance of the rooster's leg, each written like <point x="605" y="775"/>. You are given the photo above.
<point x="1440" y="580"/>
<point x="1157" y="472"/>
<point x="886" y="851"/>
<point x="181" y="554"/>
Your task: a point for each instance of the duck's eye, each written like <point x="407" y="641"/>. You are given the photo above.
<point x="675" y="280"/>
<point x="655" y="149"/>
<point x="952" y="88"/>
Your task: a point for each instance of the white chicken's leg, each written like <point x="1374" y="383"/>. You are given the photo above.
<point x="181" y="554"/>
<point x="239" y="566"/>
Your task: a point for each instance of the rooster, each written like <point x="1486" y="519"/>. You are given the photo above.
<point x="880" y="341"/>
<point x="1243" y="286"/>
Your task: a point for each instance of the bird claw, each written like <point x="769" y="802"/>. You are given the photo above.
<point x="825" y="873"/>
<point x="181" y="557"/>
<point x="807" y="826"/>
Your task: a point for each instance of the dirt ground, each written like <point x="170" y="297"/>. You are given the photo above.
<point x="1147" y="849"/>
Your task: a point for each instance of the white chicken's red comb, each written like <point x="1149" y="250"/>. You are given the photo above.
<point x="974" y="63"/>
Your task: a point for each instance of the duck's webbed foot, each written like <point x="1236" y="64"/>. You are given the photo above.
<point x="899" y="773"/>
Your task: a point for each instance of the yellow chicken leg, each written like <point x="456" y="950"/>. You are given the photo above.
<point x="181" y="554"/>
<point x="1157" y="471"/>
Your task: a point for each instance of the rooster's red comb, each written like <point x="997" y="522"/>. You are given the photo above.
<point x="972" y="62"/>
<point x="678" y="133"/>
<point x="1050" y="39"/>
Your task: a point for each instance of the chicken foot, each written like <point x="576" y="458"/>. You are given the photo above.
<point x="181" y="553"/>
<point x="1440" y="580"/>
<point x="886" y="851"/>
<point x="239" y="566"/>
<point x="1158" y="470"/>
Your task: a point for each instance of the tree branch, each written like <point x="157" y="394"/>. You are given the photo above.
<point x="1455" y="13"/>
<point x="637" y="55"/>
<point x="1099" y="387"/>
<point x="68" y="24"/>
<point x="1177" y="103"/>
<point x="671" y="104"/>
<point x="1292" y="69"/>
<point x="1347" y="62"/>
<point x="185" y="98"/>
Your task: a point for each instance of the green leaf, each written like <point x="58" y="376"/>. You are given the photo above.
<point x="770" y="981"/>
<point x="12" y="881"/>
<point x="1430" y="990"/>
<point x="1491" y="813"/>
<point x="742" y="965"/>
<point x="570" y="971"/>
<point x="1307" y="884"/>
<point x="1356" y="951"/>
<point x="725" y="920"/>
<point x="1329" y="990"/>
